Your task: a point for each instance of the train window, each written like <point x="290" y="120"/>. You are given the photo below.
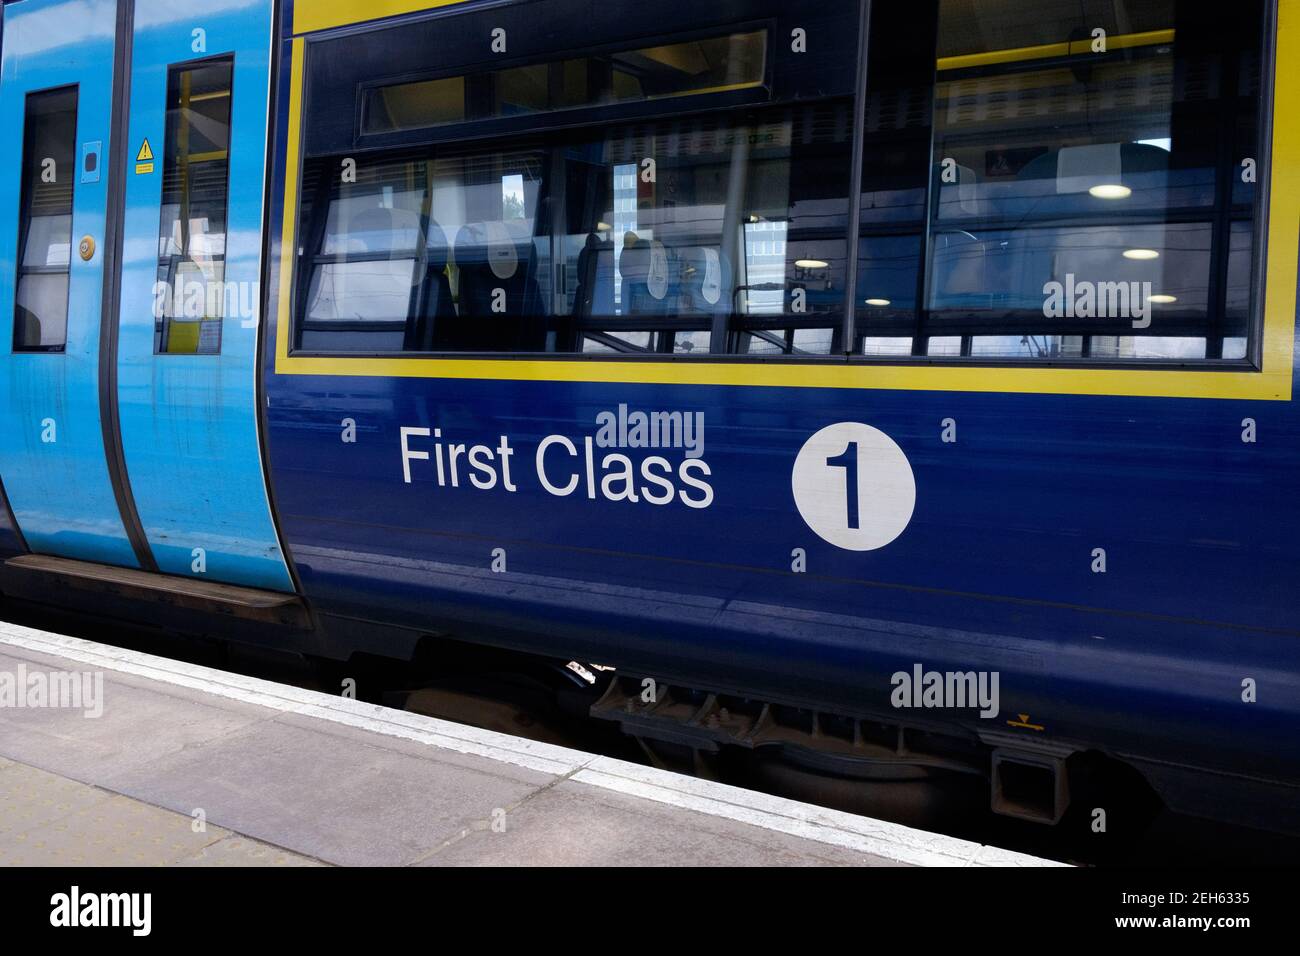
<point x="1071" y="182"/>
<point x="730" y="62"/>
<point x="720" y="232"/>
<point x="191" y="293"/>
<point x="45" y="233"/>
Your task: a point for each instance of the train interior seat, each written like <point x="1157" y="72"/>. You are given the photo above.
<point x="969" y="260"/>
<point x="648" y="283"/>
<point x="495" y="266"/>
<point x="435" y="307"/>
<point x="594" y="295"/>
<point x="29" y="328"/>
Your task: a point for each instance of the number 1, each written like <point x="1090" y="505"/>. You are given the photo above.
<point x="849" y="462"/>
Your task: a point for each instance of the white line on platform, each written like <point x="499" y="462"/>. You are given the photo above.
<point x="890" y="841"/>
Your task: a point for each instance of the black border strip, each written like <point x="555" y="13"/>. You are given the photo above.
<point x="114" y="216"/>
<point x="1263" y="190"/>
<point x="272" y="186"/>
<point x="848" y="327"/>
<point x="13" y="520"/>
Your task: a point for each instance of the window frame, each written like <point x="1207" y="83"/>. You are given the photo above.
<point x="1264" y="374"/>
<point x="195" y="63"/>
<point x="24" y="227"/>
<point x="593" y="114"/>
<point x="1252" y="362"/>
<point x="588" y="117"/>
<point x="758" y="325"/>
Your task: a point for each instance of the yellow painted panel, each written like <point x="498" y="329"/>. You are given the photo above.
<point x="183" y="338"/>
<point x="1043" y="51"/>
<point x="312" y="15"/>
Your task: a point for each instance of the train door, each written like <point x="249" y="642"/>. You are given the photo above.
<point x="56" y="86"/>
<point x="188" y="322"/>
<point x="130" y="245"/>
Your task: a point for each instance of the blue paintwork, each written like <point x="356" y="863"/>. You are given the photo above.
<point x="60" y="492"/>
<point x="994" y="571"/>
<point x="189" y="422"/>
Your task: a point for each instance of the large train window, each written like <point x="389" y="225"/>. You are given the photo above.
<point x="562" y="244"/>
<point x="192" y="231"/>
<point x="1060" y="182"/>
<point x="45" y="233"/>
<point x="691" y="198"/>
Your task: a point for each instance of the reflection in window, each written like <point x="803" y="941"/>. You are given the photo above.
<point x="1028" y="197"/>
<point x="562" y="242"/>
<point x="731" y="62"/>
<point x="45" y="231"/>
<point x="191" y="296"/>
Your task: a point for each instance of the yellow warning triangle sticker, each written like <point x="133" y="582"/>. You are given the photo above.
<point x="145" y="153"/>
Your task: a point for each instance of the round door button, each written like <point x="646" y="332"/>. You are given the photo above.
<point x="87" y="248"/>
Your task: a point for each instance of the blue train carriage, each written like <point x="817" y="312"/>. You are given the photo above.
<point x="906" y="398"/>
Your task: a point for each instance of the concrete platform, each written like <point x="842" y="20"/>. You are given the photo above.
<point x="174" y="764"/>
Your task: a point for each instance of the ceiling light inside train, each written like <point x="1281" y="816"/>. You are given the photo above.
<point x="877" y="302"/>
<point x="810" y="263"/>
<point x="1141" y="254"/>
<point x="1110" y="191"/>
